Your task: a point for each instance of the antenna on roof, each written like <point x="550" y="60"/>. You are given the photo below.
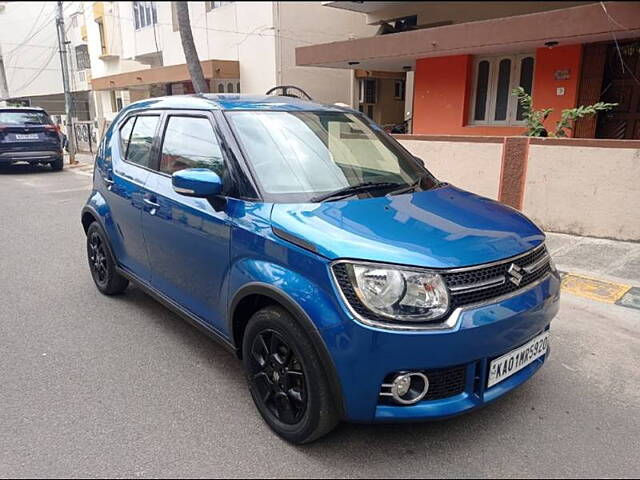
<point x="287" y="93"/>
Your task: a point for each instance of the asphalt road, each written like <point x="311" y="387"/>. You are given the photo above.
<point x="92" y="386"/>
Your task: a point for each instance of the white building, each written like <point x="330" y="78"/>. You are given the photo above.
<point x="31" y="61"/>
<point x="136" y="51"/>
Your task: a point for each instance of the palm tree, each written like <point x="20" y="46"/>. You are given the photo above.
<point x="190" y="53"/>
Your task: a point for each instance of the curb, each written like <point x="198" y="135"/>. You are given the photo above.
<point x="601" y="290"/>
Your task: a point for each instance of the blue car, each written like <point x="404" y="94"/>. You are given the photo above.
<point x="352" y="283"/>
<point x="29" y="135"/>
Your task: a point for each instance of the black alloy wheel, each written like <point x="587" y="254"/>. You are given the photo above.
<point x="98" y="259"/>
<point x="287" y="377"/>
<point x="101" y="263"/>
<point x="278" y="377"/>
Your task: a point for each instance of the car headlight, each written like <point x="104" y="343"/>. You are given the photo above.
<point x="399" y="294"/>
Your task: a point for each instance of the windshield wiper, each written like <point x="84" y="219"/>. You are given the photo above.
<point x="406" y="188"/>
<point x="352" y="190"/>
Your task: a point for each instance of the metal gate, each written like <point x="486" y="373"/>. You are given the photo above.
<point x="86" y="136"/>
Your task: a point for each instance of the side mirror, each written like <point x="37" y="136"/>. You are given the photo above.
<point x="419" y="160"/>
<point x="197" y="182"/>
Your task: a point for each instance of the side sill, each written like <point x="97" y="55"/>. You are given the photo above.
<point x="189" y="317"/>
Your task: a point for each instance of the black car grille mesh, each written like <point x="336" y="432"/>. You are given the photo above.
<point x="470" y="277"/>
<point x="443" y="383"/>
<point x="461" y="279"/>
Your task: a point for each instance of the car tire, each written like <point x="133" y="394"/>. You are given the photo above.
<point x="286" y="379"/>
<point x="102" y="264"/>
<point x="57" y="164"/>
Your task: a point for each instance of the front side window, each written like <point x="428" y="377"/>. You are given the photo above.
<point x="141" y="140"/>
<point x="190" y="142"/>
<point x="299" y="155"/>
<point x="494" y="79"/>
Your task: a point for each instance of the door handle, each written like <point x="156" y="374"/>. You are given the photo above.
<point x="150" y="203"/>
<point x="108" y="182"/>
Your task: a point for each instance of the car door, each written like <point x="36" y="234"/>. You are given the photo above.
<point x="124" y="177"/>
<point x="187" y="240"/>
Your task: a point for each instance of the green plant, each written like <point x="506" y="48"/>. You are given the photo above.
<point x="569" y="115"/>
<point x="535" y="118"/>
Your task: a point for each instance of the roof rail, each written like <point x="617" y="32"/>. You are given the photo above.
<point x="286" y="92"/>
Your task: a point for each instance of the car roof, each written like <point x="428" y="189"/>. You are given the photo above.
<point x="227" y="102"/>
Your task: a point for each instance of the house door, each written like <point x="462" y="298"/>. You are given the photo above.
<point x="621" y="84"/>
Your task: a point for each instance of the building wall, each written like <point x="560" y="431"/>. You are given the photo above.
<point x="548" y="60"/>
<point x="118" y="16"/>
<point x="442" y="91"/>
<point x="389" y="110"/>
<point x="304" y="23"/>
<point x="261" y="36"/>
<point x="29" y="46"/>
<point x="577" y="186"/>
<point x="584" y="190"/>
<point x="470" y="165"/>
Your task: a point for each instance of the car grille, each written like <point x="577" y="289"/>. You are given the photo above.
<point x="443" y="383"/>
<point x="470" y="285"/>
<point x="481" y="278"/>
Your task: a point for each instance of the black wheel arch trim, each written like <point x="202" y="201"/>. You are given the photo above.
<point x="94" y="214"/>
<point x="98" y="221"/>
<point x="277" y="295"/>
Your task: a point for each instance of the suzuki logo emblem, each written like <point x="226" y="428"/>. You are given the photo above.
<point x="515" y="274"/>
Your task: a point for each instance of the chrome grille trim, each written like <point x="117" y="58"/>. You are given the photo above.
<point x="492" y="282"/>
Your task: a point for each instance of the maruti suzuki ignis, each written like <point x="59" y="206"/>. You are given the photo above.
<point x="352" y="283"/>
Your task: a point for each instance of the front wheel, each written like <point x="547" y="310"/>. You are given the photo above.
<point x="286" y="378"/>
<point x="101" y="263"/>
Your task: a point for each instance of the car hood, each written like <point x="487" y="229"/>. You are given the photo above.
<point x="445" y="227"/>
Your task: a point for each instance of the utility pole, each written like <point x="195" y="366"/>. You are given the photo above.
<point x="68" y="101"/>
<point x="189" y="48"/>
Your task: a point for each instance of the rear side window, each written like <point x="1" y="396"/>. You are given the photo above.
<point x="190" y="142"/>
<point x="141" y="140"/>
<point x="24" y="118"/>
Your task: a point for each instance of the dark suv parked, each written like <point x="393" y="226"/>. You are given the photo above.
<point x="29" y="135"/>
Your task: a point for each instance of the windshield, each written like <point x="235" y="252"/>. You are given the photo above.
<point x="24" y="117"/>
<point x="298" y="155"/>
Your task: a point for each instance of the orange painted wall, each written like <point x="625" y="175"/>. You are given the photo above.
<point x="548" y="60"/>
<point x="442" y="87"/>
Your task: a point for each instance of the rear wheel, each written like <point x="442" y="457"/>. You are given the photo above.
<point x="101" y="263"/>
<point x="57" y="164"/>
<point x="286" y="378"/>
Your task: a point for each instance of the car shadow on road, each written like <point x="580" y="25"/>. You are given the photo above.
<point x="24" y="168"/>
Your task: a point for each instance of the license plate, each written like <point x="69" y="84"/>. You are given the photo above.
<point x="26" y="136"/>
<point x="514" y="361"/>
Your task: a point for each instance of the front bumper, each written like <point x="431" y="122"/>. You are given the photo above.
<point x="365" y="355"/>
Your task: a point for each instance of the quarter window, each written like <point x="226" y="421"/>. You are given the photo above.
<point x="190" y="142"/>
<point x="494" y="79"/>
<point x="125" y="134"/>
<point x="139" y="148"/>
